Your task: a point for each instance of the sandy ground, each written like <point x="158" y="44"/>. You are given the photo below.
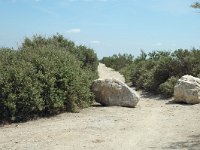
<point x="154" y="124"/>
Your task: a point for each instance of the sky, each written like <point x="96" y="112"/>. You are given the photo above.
<point x="107" y="26"/>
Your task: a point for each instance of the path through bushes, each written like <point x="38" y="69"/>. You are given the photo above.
<point x="154" y="124"/>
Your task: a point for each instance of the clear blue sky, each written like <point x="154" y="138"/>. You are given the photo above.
<point x="107" y="26"/>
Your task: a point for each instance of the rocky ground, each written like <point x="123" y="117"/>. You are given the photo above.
<point x="155" y="123"/>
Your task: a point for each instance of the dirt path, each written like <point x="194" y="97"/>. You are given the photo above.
<point x="105" y="73"/>
<point x="153" y="124"/>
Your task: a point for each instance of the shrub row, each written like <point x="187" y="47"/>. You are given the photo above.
<point x="44" y="77"/>
<point x="159" y="71"/>
<point x="118" y="62"/>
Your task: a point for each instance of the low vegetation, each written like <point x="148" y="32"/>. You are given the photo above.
<point x="157" y="71"/>
<point x="45" y="76"/>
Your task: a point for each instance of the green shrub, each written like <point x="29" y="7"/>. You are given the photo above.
<point x="43" y="79"/>
<point x="167" y="88"/>
<point x="86" y="55"/>
<point x="149" y="82"/>
<point x="126" y="71"/>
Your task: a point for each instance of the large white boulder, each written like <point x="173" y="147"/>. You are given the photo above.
<point x="112" y="92"/>
<point x="187" y="90"/>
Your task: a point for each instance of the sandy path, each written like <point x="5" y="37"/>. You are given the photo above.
<point x="105" y="73"/>
<point x="153" y="124"/>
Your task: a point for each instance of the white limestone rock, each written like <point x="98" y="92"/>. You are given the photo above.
<point x="187" y="90"/>
<point x="112" y="92"/>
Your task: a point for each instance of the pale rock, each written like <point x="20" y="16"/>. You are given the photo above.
<point x="187" y="90"/>
<point x="112" y="92"/>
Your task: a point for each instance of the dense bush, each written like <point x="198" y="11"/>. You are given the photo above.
<point x="87" y="56"/>
<point x="44" y="77"/>
<point x="167" y="88"/>
<point x="118" y="62"/>
<point x="159" y="71"/>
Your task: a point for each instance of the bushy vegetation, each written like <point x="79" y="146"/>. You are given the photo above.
<point x="118" y="62"/>
<point x="159" y="71"/>
<point x="45" y="76"/>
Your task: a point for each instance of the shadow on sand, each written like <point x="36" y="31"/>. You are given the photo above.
<point x="148" y="95"/>
<point x="172" y="102"/>
<point x="193" y="143"/>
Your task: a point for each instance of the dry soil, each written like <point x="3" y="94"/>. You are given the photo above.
<point x="155" y="123"/>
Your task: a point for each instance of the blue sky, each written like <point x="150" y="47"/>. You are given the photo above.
<point x="107" y="26"/>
